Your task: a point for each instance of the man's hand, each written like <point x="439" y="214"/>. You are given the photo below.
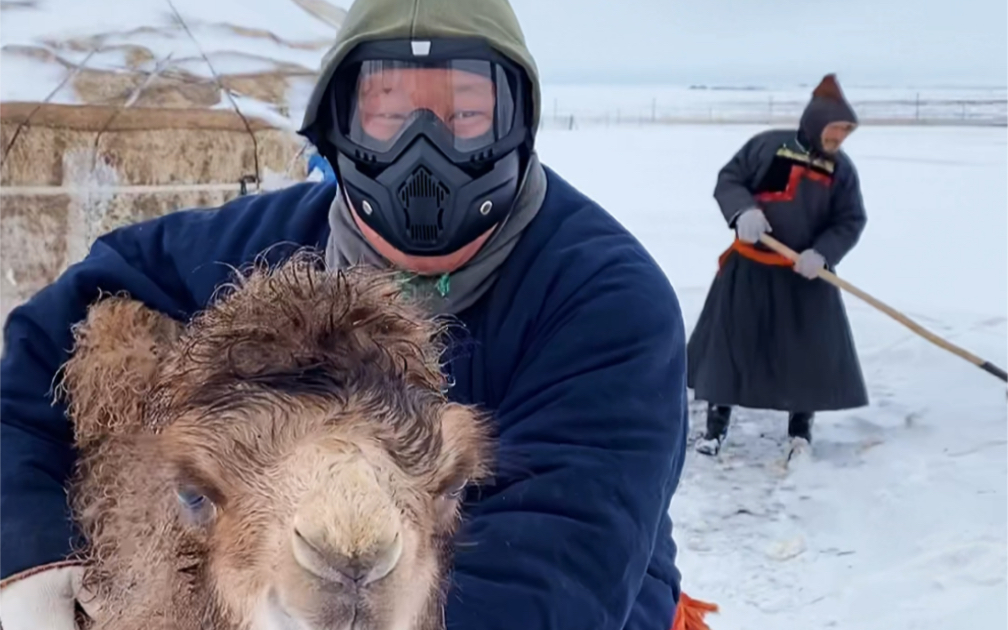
<point x="809" y="264"/>
<point x="43" y="600"/>
<point x="751" y="224"/>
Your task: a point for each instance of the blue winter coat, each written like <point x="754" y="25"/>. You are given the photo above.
<point x="579" y="350"/>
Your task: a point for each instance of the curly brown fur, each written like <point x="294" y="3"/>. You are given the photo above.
<point x="116" y="355"/>
<point x="303" y="401"/>
<point x="300" y="318"/>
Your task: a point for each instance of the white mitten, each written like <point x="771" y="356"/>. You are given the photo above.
<point x="41" y="599"/>
<point x="751" y="224"/>
<point x="809" y="263"/>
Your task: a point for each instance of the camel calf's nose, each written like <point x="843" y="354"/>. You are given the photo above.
<point x="347" y="529"/>
<point x="359" y="568"/>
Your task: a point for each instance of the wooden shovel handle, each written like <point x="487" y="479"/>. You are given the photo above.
<point x="835" y="280"/>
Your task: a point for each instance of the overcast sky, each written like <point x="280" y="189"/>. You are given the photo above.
<point x="869" y="42"/>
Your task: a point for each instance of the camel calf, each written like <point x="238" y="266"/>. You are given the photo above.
<point x="288" y="459"/>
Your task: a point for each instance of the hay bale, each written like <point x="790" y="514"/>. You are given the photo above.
<point x="147" y="146"/>
<point x="32" y="246"/>
<point x="155" y="124"/>
<point x="41" y="235"/>
<point x="56" y="155"/>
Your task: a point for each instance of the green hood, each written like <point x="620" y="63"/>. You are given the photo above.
<point x="369" y="20"/>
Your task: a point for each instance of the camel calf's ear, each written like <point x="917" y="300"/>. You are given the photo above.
<point x="117" y="351"/>
<point x="467" y="442"/>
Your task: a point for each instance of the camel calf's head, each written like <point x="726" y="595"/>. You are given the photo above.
<point x="287" y="460"/>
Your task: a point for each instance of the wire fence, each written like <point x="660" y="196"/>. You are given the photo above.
<point x="778" y="111"/>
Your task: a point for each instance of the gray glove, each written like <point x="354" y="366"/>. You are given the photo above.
<point x="809" y="264"/>
<point x="751" y="224"/>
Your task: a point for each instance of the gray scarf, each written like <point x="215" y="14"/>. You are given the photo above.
<point x="450" y="293"/>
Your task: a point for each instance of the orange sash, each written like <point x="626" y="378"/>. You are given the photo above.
<point x="691" y="612"/>
<point x="750" y="251"/>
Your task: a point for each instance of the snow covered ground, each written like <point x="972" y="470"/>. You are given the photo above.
<point x="899" y="521"/>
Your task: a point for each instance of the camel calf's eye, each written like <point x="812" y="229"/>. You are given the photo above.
<point x="197" y="508"/>
<point x="191" y="500"/>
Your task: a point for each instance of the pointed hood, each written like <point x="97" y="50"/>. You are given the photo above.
<point x="828" y="105"/>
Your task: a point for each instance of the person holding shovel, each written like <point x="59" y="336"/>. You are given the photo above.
<point x="770" y="336"/>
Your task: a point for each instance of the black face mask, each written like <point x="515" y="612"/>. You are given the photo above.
<point x="429" y="182"/>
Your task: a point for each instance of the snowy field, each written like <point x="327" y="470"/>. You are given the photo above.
<point x="899" y="520"/>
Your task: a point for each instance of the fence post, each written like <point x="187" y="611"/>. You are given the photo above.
<point x="917" y="108"/>
<point x="654" y="109"/>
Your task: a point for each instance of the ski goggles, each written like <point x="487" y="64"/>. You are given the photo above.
<point x="467" y="99"/>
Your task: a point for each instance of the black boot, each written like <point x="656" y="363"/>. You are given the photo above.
<point x="718" y="418"/>
<point x="800" y="425"/>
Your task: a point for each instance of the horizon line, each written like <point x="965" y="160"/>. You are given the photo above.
<point x="765" y="86"/>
